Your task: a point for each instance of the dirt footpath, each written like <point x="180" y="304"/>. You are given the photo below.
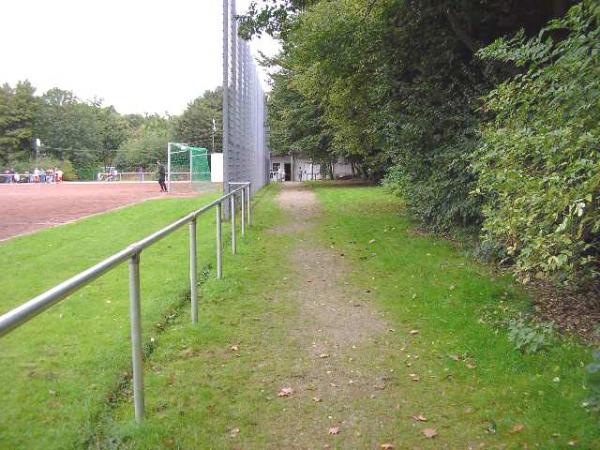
<point x="343" y="341"/>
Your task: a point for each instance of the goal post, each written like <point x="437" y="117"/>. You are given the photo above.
<point x="186" y="164"/>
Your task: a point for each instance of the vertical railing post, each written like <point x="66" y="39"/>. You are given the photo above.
<point x="232" y="212"/>
<point x="193" y="272"/>
<point x="136" y="337"/>
<point x="168" y="167"/>
<point x="249" y="191"/>
<point x="243" y="192"/>
<point x="219" y="243"/>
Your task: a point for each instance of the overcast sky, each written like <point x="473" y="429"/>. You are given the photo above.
<point x="142" y="56"/>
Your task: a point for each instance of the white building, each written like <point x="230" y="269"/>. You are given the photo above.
<point x="299" y="168"/>
<point x="216" y="167"/>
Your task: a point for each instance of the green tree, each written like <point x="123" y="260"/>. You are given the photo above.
<point x="147" y="144"/>
<point x="398" y="85"/>
<point x="297" y="124"/>
<point x="17" y="110"/>
<point x="195" y="125"/>
<point x="5" y="142"/>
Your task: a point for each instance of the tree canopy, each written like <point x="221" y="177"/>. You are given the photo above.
<point x="87" y="135"/>
<point x="421" y="93"/>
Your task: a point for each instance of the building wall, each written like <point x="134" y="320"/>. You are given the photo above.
<point x="216" y="167"/>
<point x="303" y="170"/>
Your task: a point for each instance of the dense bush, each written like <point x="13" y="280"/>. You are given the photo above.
<point x="539" y="162"/>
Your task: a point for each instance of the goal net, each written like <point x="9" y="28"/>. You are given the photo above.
<point x="187" y="166"/>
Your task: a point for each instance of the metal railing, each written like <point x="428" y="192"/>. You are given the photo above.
<point x="27" y="311"/>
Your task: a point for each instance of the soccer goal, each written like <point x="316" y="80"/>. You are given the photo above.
<point x="186" y="164"/>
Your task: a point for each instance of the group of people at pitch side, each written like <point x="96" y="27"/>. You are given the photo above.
<point x="33" y="176"/>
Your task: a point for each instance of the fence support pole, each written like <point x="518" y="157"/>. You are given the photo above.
<point x="168" y="167"/>
<point x="243" y="192"/>
<point x="249" y="204"/>
<point x="136" y="337"/>
<point x="193" y="272"/>
<point x="232" y="212"/>
<point x="219" y="244"/>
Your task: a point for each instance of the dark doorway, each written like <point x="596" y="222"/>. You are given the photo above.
<point x="288" y="171"/>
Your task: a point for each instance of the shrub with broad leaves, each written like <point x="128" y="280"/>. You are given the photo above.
<point x="539" y="163"/>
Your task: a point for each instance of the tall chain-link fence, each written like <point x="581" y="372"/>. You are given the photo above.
<point x="245" y="154"/>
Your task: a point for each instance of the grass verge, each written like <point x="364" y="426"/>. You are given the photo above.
<point x="207" y="385"/>
<point x="474" y="386"/>
<point x="215" y="385"/>
<point x="61" y="370"/>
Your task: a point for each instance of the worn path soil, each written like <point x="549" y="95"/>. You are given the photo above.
<point x="341" y="379"/>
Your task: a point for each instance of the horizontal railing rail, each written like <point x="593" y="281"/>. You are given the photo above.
<point x="27" y="311"/>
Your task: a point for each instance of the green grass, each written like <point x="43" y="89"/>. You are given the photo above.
<point x="59" y="370"/>
<point x="427" y="283"/>
<point x="198" y="389"/>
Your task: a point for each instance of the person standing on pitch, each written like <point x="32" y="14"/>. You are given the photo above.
<point x="161" y="176"/>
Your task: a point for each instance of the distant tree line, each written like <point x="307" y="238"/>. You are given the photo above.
<point x="84" y="136"/>
<point x="483" y="114"/>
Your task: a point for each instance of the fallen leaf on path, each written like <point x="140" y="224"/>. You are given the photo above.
<point x="517" y="428"/>
<point x="414" y="377"/>
<point x="379" y="387"/>
<point x="391" y="330"/>
<point x="324" y="355"/>
<point x="387" y="447"/>
<point x="334" y="431"/>
<point x="317" y="399"/>
<point x="420" y="418"/>
<point x="234" y="348"/>
<point x="235" y="432"/>
<point x="413" y="332"/>
<point x="333" y="384"/>
<point x="429" y="433"/>
<point x="285" y="392"/>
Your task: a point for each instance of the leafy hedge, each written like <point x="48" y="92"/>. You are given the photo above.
<point x="539" y="163"/>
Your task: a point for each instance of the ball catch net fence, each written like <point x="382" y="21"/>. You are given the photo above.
<point x="187" y="165"/>
<point x="245" y="154"/>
